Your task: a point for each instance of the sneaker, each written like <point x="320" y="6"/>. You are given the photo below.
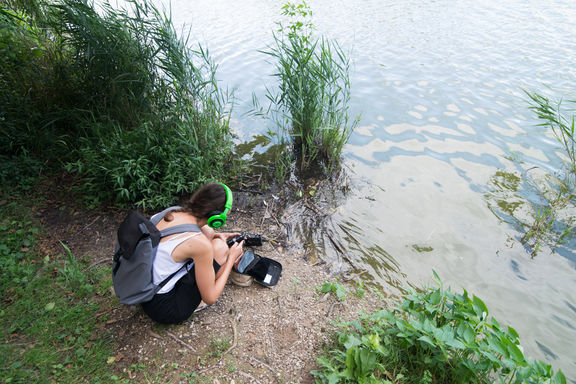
<point x="240" y="279"/>
<point x="201" y="307"/>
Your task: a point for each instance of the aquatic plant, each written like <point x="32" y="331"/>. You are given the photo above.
<point x="311" y="102"/>
<point x="432" y="336"/>
<point x="547" y="227"/>
<point x="116" y="96"/>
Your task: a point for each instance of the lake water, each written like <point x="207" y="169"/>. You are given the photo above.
<point x="442" y="166"/>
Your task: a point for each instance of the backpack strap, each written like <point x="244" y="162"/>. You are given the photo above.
<point x="157" y="217"/>
<point x="166" y="280"/>
<point x="175" y="229"/>
<point x="179" y="229"/>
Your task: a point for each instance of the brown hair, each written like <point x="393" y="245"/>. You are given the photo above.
<point x="205" y="202"/>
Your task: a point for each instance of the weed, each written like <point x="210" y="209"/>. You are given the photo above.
<point x="115" y="96"/>
<point x="218" y="346"/>
<point x="432" y="336"/>
<point x="338" y="289"/>
<point x="360" y="291"/>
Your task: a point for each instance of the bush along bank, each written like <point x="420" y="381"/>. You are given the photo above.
<point x="116" y="97"/>
<point x="432" y="336"/>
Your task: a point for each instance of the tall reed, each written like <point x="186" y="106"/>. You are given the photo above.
<point x="552" y="224"/>
<point x="313" y="92"/>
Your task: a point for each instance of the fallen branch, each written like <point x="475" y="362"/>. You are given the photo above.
<point x="106" y="259"/>
<point x="276" y="374"/>
<point x="246" y="375"/>
<point x="331" y="308"/>
<point x="181" y="342"/>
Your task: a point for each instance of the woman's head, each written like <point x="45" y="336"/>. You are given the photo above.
<point x="205" y="202"/>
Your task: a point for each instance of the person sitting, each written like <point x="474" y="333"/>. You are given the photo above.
<point x="203" y="280"/>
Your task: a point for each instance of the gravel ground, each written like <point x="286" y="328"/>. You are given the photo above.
<point x="251" y="334"/>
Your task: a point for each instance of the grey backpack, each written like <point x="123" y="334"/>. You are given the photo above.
<point x="138" y="240"/>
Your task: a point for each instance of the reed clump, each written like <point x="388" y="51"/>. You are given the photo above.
<point x="311" y="102"/>
<point x="553" y="224"/>
<point x="115" y="96"/>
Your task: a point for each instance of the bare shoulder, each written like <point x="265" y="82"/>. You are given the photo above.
<point x="197" y="247"/>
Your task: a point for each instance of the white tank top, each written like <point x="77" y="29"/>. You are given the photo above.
<point x="164" y="266"/>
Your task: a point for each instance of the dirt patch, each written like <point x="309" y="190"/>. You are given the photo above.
<point x="251" y="334"/>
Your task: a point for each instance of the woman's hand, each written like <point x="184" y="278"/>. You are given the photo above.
<point x="225" y="236"/>
<point x="235" y="253"/>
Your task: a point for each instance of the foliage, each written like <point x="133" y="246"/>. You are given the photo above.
<point x="311" y="104"/>
<point x="433" y="336"/>
<point x="547" y="227"/>
<point x="334" y="287"/>
<point x="115" y="95"/>
<point x="49" y="329"/>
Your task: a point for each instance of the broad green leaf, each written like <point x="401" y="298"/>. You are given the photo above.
<point x="479" y="307"/>
<point x="427" y="339"/>
<point x="366" y="361"/>
<point x="516" y="353"/>
<point x="559" y="378"/>
<point x="513" y="332"/>
<point x="435" y="297"/>
<point x="352" y="341"/>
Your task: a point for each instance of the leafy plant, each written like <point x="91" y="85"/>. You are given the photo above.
<point x="218" y="346"/>
<point x="338" y="289"/>
<point x="432" y="336"/>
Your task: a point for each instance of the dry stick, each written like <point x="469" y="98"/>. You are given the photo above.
<point x="181" y="342"/>
<point x="248" y="376"/>
<point x="344" y="254"/>
<point x="264" y="216"/>
<point x="331" y="308"/>
<point x="93" y="221"/>
<point x="276" y="374"/>
<point x="98" y="262"/>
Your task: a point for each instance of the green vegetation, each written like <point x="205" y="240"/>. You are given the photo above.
<point x="334" y="287"/>
<point x="433" y="336"/>
<point x="551" y="225"/>
<point x="311" y="104"/>
<point x="49" y="325"/>
<point x="115" y="97"/>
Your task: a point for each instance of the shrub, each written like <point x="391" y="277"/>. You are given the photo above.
<point x="433" y="336"/>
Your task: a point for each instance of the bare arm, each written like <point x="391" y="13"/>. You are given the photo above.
<point x="209" y="283"/>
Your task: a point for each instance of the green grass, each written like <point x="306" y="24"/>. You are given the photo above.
<point x="49" y="326"/>
<point x="432" y="336"/>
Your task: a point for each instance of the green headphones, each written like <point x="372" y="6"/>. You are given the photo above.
<point x="218" y="219"/>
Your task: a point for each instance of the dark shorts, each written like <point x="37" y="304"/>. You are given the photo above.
<point x="179" y="303"/>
